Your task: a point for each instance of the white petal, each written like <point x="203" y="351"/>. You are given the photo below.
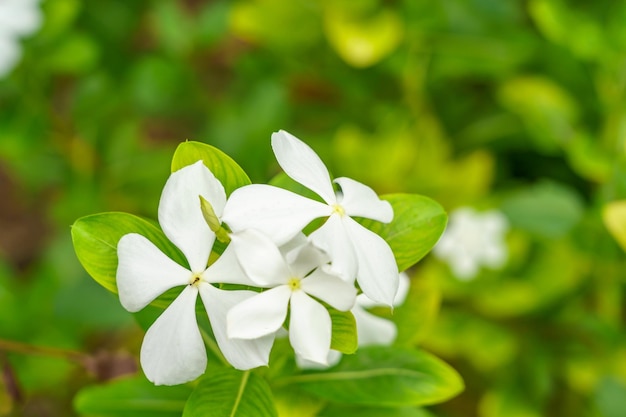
<point x="144" y="272"/>
<point x="226" y="270"/>
<point x="463" y="266"/>
<point x="310" y="328"/>
<point x="330" y="289"/>
<point x="10" y="54"/>
<point x="240" y="353"/>
<point x="305" y="259"/>
<point x="291" y="248"/>
<point x="302" y="164"/>
<point x="377" y="269"/>
<point x="403" y="289"/>
<point x="173" y="351"/>
<point x="333" y="359"/>
<point x="333" y="239"/>
<point x="361" y="201"/>
<point x="373" y="330"/>
<point x="364" y="301"/>
<point x="260" y="315"/>
<point x="260" y="258"/>
<point x="278" y="213"/>
<point x="19" y="17"/>
<point x="180" y="214"/>
<point x="494" y="254"/>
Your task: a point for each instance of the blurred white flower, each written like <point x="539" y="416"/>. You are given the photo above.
<point x="472" y="240"/>
<point x="18" y="18"/>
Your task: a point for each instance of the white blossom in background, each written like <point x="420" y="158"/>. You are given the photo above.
<point x="293" y="279"/>
<point x="473" y="240"/>
<point x="18" y="19"/>
<point x="355" y="252"/>
<point x="173" y="350"/>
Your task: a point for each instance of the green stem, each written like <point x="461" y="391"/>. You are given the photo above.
<point x="24" y="348"/>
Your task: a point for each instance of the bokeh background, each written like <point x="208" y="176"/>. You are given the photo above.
<point x="516" y="106"/>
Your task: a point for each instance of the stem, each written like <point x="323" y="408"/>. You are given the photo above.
<point x="24" y="348"/>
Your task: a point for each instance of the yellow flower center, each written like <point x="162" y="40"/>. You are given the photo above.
<point x="338" y="209"/>
<point x="195" y="279"/>
<point x="294" y="283"/>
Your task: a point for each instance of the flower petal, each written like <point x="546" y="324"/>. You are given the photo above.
<point x="226" y="270"/>
<point x="373" y="330"/>
<point x="310" y="328"/>
<point x="361" y="201"/>
<point x="144" y="272"/>
<point x="10" y="51"/>
<point x="305" y="259"/>
<point x="377" y="273"/>
<point x="302" y="164"/>
<point x="364" y="301"/>
<point x="333" y="359"/>
<point x="278" y="213"/>
<point x="333" y="239"/>
<point x="260" y="315"/>
<point x="260" y="258"/>
<point x="180" y="215"/>
<point x="173" y="351"/>
<point x="240" y="353"/>
<point x="330" y="289"/>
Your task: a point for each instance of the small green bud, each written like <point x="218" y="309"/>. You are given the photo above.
<point x="214" y="223"/>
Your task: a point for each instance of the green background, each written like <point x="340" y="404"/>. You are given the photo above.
<point x="513" y="105"/>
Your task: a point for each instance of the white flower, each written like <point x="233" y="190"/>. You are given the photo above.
<point x="173" y="351"/>
<point x="294" y="279"/>
<point x="18" y="18"/>
<point x="471" y="240"/>
<point x="371" y="329"/>
<point x="355" y="251"/>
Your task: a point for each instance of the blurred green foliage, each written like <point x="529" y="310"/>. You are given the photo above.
<point x="517" y="105"/>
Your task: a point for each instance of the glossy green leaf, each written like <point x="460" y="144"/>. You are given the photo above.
<point x="95" y="241"/>
<point x="344" y="336"/>
<point x="231" y="175"/>
<point x="384" y="377"/>
<point x="293" y="402"/>
<point x="614" y="216"/>
<point x="132" y="397"/>
<point x="231" y="393"/>
<point x="351" y="411"/>
<point x="415" y="317"/>
<point x="547" y="209"/>
<point x="418" y="222"/>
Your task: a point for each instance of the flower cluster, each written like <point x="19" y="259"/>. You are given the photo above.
<point x="285" y="273"/>
<point x="18" y="18"/>
<point x="472" y="240"/>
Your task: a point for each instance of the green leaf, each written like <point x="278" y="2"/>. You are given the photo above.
<point x="614" y="216"/>
<point x="293" y="402"/>
<point x="418" y="222"/>
<point x="95" y="241"/>
<point x="344" y="336"/>
<point x="133" y="397"/>
<point x="384" y="377"/>
<point x="231" y="393"/>
<point x="610" y="397"/>
<point x="225" y="169"/>
<point x="350" y="411"/>
<point x="547" y="209"/>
